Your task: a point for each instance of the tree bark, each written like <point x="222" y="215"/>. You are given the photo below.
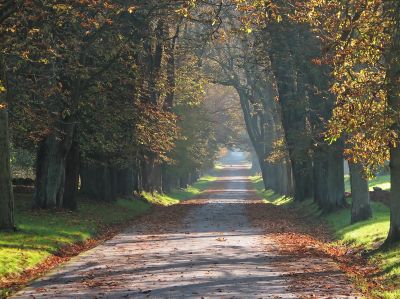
<point x="393" y="90"/>
<point x="50" y="169"/>
<point x="126" y="181"/>
<point x="328" y="177"/>
<point x="72" y="177"/>
<point x="255" y="164"/>
<point x="6" y="192"/>
<point x="292" y="97"/>
<point x="361" y="205"/>
<point x="99" y="181"/>
<point x="184" y="181"/>
<point x="394" y="230"/>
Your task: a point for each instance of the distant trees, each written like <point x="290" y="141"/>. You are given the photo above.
<point x="336" y="66"/>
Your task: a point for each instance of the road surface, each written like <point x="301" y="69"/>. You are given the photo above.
<point x="209" y="250"/>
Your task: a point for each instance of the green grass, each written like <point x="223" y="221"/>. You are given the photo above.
<point x="381" y="181"/>
<point x="367" y="234"/>
<point x="42" y="233"/>
<point x="178" y="195"/>
<point x="218" y="166"/>
<point x="269" y="196"/>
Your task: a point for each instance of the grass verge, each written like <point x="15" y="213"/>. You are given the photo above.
<point x="178" y="195"/>
<point x="380" y="181"/>
<point x="364" y="235"/>
<point x="42" y="234"/>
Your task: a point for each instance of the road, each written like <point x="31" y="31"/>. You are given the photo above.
<point x="209" y="249"/>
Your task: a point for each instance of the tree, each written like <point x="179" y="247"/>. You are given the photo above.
<point x="392" y="56"/>
<point x="362" y="42"/>
<point x="360" y="206"/>
<point x="6" y="194"/>
<point x="7" y="9"/>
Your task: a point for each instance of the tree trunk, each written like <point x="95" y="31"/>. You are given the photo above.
<point x="6" y="192"/>
<point x="253" y="131"/>
<point x="361" y="206"/>
<point x="183" y="181"/>
<point x="126" y="181"/>
<point x="157" y="178"/>
<point x="302" y="178"/>
<point x="99" y="181"/>
<point x="72" y="177"/>
<point x="328" y="177"/>
<point x="50" y="169"/>
<point x="255" y="164"/>
<point x="394" y="230"/>
<point x="393" y="90"/>
<point x="147" y="167"/>
<point x="294" y="104"/>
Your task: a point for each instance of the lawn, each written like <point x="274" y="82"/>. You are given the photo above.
<point x="381" y="181"/>
<point x="176" y="196"/>
<point x="42" y="233"/>
<point x="367" y="234"/>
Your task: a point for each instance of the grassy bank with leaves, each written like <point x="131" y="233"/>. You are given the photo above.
<point x="42" y="234"/>
<point x="361" y="236"/>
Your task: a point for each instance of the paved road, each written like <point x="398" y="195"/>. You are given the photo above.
<point x="212" y="252"/>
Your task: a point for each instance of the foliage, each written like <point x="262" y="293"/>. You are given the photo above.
<point x="356" y="38"/>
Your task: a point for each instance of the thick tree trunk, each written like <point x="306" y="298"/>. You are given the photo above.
<point x="328" y="177"/>
<point x="50" y="169"/>
<point x="294" y="104"/>
<point x="72" y="177"/>
<point x="126" y="181"/>
<point x="264" y="173"/>
<point x="157" y="179"/>
<point x="147" y="167"/>
<point x="283" y="182"/>
<point x="302" y="178"/>
<point x="255" y="164"/>
<point x="99" y="181"/>
<point x="394" y="231"/>
<point x="361" y="205"/>
<point x="6" y="192"/>
<point x="184" y="181"/>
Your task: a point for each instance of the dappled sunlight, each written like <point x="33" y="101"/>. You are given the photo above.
<point x="205" y="246"/>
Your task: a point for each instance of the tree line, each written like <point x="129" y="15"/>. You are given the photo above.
<point x="114" y="87"/>
<point x="110" y="97"/>
<point x="318" y="83"/>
